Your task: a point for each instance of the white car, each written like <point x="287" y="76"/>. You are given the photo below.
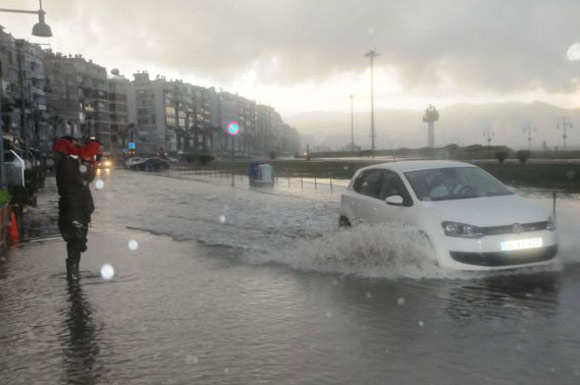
<point x="472" y="220"/>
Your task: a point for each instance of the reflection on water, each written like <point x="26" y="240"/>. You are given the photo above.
<point x="80" y="340"/>
<point x="503" y="296"/>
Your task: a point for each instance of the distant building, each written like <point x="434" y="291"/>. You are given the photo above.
<point x="147" y="109"/>
<point x="79" y="101"/>
<point x="118" y="112"/>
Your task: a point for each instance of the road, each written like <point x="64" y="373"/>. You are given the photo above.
<point x="221" y="285"/>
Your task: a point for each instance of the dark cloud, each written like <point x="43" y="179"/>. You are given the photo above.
<point x="489" y="44"/>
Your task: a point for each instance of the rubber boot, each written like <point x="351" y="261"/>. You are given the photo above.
<point x="72" y="263"/>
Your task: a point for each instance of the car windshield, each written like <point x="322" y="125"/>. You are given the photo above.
<point x="454" y="183"/>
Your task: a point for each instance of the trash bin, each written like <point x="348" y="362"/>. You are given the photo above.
<point x="266" y="174"/>
<point x="254" y="173"/>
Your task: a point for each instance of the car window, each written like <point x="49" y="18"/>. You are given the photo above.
<point x="369" y="183"/>
<point x="393" y="185"/>
<point x="454" y="183"/>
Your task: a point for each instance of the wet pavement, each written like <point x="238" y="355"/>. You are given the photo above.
<point x="214" y="285"/>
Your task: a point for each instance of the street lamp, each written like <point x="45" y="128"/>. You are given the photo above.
<point x="372" y="54"/>
<point x="40" y="29"/>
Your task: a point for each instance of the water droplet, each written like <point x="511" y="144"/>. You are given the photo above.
<point x="107" y="271"/>
<point x="82" y="168"/>
<point x="400" y="301"/>
<point x="328" y="314"/>
<point x="369" y="294"/>
<point x="223" y="219"/>
<point x="226" y="370"/>
<point x="345" y="168"/>
<point x="335" y="282"/>
<point x="191" y="359"/>
<point x="421" y="324"/>
<point x="99" y="184"/>
<point x="133" y="245"/>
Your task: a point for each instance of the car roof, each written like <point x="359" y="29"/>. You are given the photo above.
<point x="416" y="165"/>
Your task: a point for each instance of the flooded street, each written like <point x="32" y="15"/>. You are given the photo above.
<point x="221" y="285"/>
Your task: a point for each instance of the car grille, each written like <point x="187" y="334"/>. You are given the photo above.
<point x="509" y="229"/>
<point x="508" y="258"/>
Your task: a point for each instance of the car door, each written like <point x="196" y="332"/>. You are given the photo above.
<point x="392" y="184"/>
<point x="365" y="196"/>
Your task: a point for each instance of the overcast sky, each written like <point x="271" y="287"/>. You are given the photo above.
<point x="301" y="55"/>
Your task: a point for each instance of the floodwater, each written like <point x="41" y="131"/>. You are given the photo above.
<point x="221" y="285"/>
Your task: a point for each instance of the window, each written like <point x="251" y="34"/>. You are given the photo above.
<point x="454" y="183"/>
<point x="368" y="183"/>
<point x="393" y="185"/>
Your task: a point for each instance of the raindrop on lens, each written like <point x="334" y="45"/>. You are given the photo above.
<point x="99" y="184"/>
<point x="82" y="168"/>
<point x="401" y="301"/>
<point x="421" y="324"/>
<point x="369" y="294"/>
<point x="133" y="245"/>
<point x="107" y="271"/>
<point x="222" y="219"/>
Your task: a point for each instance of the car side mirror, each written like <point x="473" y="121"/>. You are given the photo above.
<point x="394" y="200"/>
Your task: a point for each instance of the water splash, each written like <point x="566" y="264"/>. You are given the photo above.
<point x="381" y="251"/>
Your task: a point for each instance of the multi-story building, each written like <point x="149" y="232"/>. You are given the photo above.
<point x="233" y="108"/>
<point x="8" y="83"/>
<point x="150" y="112"/>
<point x="30" y="97"/>
<point x="79" y="103"/>
<point x="118" y="112"/>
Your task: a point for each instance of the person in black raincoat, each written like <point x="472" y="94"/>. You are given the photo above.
<point x="74" y="172"/>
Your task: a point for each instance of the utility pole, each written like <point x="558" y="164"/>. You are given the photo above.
<point x="488" y="134"/>
<point x="351" y="123"/>
<point x="529" y="129"/>
<point x="372" y="54"/>
<point x="564" y="123"/>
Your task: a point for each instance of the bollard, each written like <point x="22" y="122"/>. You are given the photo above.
<point x="301" y="183"/>
<point x="331" y="184"/>
<point x="315" y="183"/>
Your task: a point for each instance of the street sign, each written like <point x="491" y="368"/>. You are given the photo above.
<point x="132" y="146"/>
<point x="233" y="128"/>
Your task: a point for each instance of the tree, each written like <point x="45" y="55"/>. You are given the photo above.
<point x="501" y="156"/>
<point x="523" y="156"/>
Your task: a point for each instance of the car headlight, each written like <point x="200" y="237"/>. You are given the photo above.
<point x="551" y="225"/>
<point x="461" y="230"/>
<point x="107" y="163"/>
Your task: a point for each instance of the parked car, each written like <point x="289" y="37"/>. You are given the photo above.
<point x="133" y="161"/>
<point x="472" y="220"/>
<point x="150" y="164"/>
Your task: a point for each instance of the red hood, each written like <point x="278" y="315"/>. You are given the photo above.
<point x="65" y="146"/>
<point x="90" y="150"/>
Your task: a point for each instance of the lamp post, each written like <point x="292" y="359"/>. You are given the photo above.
<point x="351" y="123"/>
<point x="564" y="123"/>
<point x="40" y="29"/>
<point x="372" y="54"/>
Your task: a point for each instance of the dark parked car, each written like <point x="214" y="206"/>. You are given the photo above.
<point x="151" y="164"/>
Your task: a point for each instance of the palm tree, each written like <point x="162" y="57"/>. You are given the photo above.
<point x="430" y="117"/>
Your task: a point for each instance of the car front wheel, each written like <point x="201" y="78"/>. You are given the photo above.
<point x="343" y="223"/>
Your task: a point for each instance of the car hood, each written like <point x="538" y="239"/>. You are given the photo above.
<point x="488" y="211"/>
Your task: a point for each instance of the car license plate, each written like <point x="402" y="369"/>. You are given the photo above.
<point x="521" y="244"/>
